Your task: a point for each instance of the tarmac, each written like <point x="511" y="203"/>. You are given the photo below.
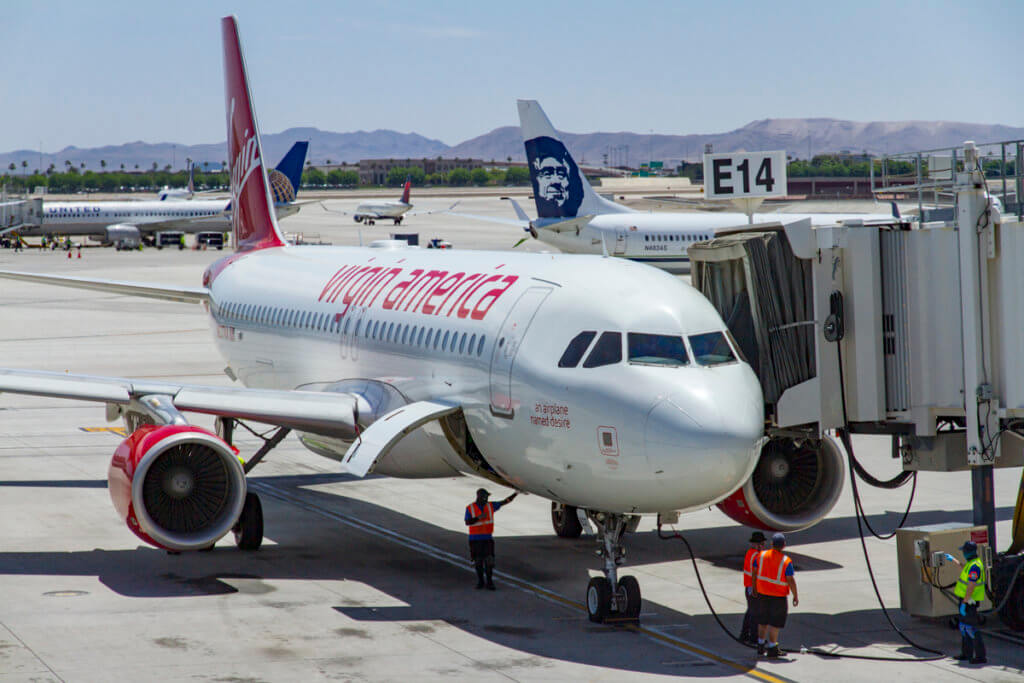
<point x="369" y="580"/>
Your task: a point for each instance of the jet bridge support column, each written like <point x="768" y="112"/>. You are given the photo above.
<point x="975" y="227"/>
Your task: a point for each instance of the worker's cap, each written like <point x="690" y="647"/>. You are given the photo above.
<point x="969" y="547"/>
<point x="757" y="537"/>
<point x="483" y="492"/>
<point x="778" y="540"/>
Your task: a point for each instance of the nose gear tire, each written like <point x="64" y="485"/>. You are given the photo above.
<point x="599" y="599"/>
<point x="629" y="597"/>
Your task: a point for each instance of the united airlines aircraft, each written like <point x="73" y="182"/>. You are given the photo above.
<point x="114" y="222"/>
<point x="611" y="389"/>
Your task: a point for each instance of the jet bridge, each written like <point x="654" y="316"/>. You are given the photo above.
<point x="19" y="213"/>
<point x="906" y="328"/>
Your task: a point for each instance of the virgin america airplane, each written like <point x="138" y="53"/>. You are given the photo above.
<point x="608" y="387"/>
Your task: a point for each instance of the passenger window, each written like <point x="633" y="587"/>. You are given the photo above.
<point x="462" y="343"/>
<point x="412" y="335"/>
<point x="419" y="342"/>
<point x="358" y="325"/>
<point x="444" y="342"/>
<point x="430" y="333"/>
<point x="607" y="350"/>
<point x="405" y="332"/>
<point x="711" y="349"/>
<point x="472" y="343"/>
<point x="480" y="346"/>
<point x="376" y="326"/>
<point x="656" y="349"/>
<point x="347" y="321"/>
<point x="391" y="330"/>
<point x="574" y="351"/>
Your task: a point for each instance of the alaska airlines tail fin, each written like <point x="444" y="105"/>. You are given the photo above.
<point x="253" y="222"/>
<point x="559" y="187"/>
<point x="291" y="168"/>
<point x="405" y="189"/>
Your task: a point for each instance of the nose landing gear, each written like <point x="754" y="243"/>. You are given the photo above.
<point x="610" y="598"/>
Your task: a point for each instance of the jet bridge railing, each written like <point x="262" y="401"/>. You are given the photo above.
<point x="930" y="176"/>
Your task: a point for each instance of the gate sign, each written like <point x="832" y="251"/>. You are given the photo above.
<point x="744" y="174"/>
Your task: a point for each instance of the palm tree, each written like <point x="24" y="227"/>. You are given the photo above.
<point x="103" y="164"/>
<point x="67" y="164"/>
<point x="24" y="166"/>
<point x="136" y="167"/>
<point x="12" y="167"/>
<point x="82" y="165"/>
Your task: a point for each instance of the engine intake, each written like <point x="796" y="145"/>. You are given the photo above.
<point x="795" y="484"/>
<point x="177" y="487"/>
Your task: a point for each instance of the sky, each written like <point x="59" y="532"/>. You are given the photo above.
<point x="110" y="72"/>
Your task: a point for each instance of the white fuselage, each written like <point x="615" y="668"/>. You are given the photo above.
<point x="486" y="331"/>
<point x="382" y="209"/>
<point x="662" y="239"/>
<point x="151" y="215"/>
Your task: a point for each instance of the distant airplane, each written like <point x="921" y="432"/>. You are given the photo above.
<point x="574" y="218"/>
<point x="115" y="222"/>
<point x="178" y="192"/>
<point x="374" y="210"/>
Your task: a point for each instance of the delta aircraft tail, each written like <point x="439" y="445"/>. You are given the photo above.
<point x="253" y="222"/>
<point x="405" y="189"/>
<point x="559" y="187"/>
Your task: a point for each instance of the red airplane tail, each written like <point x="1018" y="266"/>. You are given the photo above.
<point x="405" y="190"/>
<point x="253" y="221"/>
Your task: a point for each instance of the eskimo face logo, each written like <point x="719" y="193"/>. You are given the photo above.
<point x="556" y="178"/>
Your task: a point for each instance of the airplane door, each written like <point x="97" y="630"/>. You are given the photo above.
<point x="620" y="242"/>
<point x="509" y="338"/>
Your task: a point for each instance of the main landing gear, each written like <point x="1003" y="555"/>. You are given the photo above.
<point x="248" y="530"/>
<point x="610" y="598"/>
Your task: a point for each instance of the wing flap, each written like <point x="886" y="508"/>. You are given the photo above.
<point x="190" y="295"/>
<point x="382" y="435"/>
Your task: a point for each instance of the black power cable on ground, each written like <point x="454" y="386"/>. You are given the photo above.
<point x="858" y="509"/>
<point x="809" y="650"/>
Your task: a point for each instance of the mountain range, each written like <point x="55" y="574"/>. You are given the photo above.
<point x="799" y="137"/>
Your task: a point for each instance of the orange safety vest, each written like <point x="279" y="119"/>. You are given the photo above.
<point x="771" y="573"/>
<point x="485" y="525"/>
<point x="748" y="567"/>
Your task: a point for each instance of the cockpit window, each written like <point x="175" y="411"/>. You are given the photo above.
<point x="574" y="351"/>
<point x="607" y="351"/>
<point x="657" y="349"/>
<point x="711" y="348"/>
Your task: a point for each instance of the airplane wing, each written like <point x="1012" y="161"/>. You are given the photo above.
<point x="331" y="414"/>
<point x="346" y="213"/>
<point x="192" y="295"/>
<point x="380" y="437"/>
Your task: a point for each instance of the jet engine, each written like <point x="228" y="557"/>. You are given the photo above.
<point x="177" y="487"/>
<point x="795" y="484"/>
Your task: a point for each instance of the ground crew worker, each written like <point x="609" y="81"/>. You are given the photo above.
<point x="480" y="520"/>
<point x="970" y="588"/>
<point x="773" y="581"/>
<point x="748" y="634"/>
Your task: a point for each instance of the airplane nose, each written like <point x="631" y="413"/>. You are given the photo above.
<point x="704" y="441"/>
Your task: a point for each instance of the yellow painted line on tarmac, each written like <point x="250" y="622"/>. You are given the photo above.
<point x="675" y="642"/>
<point x="415" y="544"/>
<point x="120" y="431"/>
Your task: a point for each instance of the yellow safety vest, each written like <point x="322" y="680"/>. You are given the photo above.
<point x="978" y="594"/>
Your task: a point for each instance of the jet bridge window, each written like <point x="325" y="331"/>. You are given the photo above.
<point x="711" y="348"/>
<point x="607" y="350"/>
<point x="657" y="349"/>
<point x="574" y="351"/>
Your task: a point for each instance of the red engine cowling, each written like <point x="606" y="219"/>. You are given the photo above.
<point x="177" y="487"/>
<point x="795" y="484"/>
